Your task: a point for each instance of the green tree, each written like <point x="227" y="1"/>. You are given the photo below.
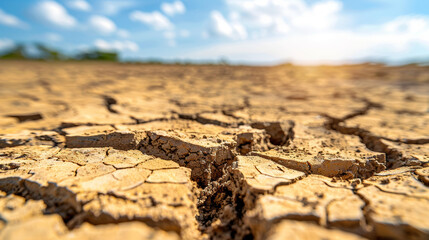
<point x="98" y="55"/>
<point x="49" y="53"/>
<point x="17" y="52"/>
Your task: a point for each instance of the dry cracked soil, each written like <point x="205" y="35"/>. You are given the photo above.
<point x="132" y="151"/>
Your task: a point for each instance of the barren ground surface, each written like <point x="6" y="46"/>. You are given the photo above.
<point x="123" y="151"/>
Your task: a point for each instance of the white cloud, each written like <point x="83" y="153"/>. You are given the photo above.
<point x="173" y="8"/>
<point x="105" y="26"/>
<point x="392" y="40"/>
<point x="114" y="7"/>
<point x="407" y="24"/>
<point x="102" y="24"/>
<point x="406" y="31"/>
<point x="320" y="16"/>
<point x="123" y="33"/>
<point x="154" y="19"/>
<point x="171" y="43"/>
<point x="52" y="13"/>
<point x="80" y="5"/>
<point x="6" y="44"/>
<point x="303" y="32"/>
<point x="205" y="35"/>
<point x="170" y="35"/>
<point x="116" y="45"/>
<point x="173" y="35"/>
<point x="184" y="33"/>
<point x="53" y="37"/>
<point x="274" y="17"/>
<point x="10" y="20"/>
<point x="220" y="27"/>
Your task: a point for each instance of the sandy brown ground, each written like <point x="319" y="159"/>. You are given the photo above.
<point x="123" y="151"/>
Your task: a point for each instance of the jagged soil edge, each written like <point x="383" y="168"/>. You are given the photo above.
<point x="70" y="209"/>
<point x="394" y="158"/>
<point x="225" y="198"/>
<point x="62" y="201"/>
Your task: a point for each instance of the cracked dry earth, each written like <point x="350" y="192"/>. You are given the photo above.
<point x="123" y="151"/>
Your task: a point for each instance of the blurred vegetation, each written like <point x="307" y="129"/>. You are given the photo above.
<point x="49" y="53"/>
<point x="39" y="51"/>
<point x="17" y="52"/>
<point x="98" y="55"/>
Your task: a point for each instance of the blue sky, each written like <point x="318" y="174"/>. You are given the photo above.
<point x="249" y="31"/>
